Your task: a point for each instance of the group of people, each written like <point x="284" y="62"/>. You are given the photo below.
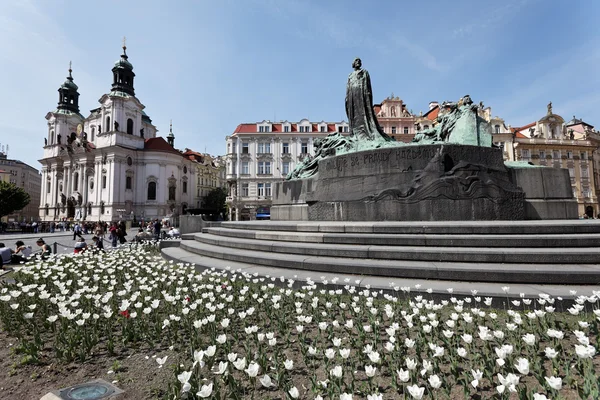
<point x="22" y="253"/>
<point x="116" y="231"/>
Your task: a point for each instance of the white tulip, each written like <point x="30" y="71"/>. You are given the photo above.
<point x="403" y="375"/>
<point x="288" y="364"/>
<point x="416" y="392"/>
<point x="252" y="369"/>
<point x="554" y="382"/>
<point x="222" y="368"/>
<point x="435" y="381"/>
<point x="294" y="393"/>
<point x="370" y="371"/>
<point x="522" y="366"/>
<point x="336" y="372"/>
<point x="266" y="381"/>
<point x="205" y="391"/>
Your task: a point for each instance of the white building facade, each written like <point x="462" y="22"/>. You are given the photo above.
<point x="111" y="165"/>
<point x="260" y="154"/>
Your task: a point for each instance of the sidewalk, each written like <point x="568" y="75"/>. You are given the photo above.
<point x="15" y="236"/>
<point x="6" y="237"/>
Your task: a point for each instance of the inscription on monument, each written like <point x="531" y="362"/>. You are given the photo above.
<point x="341" y="163"/>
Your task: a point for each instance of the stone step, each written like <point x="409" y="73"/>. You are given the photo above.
<point x="402" y="239"/>
<point x="438" y="288"/>
<point x="427" y="227"/>
<point x="584" y="255"/>
<point x="469" y="271"/>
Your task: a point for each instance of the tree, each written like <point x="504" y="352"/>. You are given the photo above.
<point x="215" y="200"/>
<point x="12" y="198"/>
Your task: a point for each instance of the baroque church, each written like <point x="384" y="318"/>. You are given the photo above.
<point x="111" y="165"/>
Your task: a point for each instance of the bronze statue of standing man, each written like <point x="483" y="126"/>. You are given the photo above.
<point x="359" y="106"/>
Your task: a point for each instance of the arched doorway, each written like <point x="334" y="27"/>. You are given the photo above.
<point x="589" y="211"/>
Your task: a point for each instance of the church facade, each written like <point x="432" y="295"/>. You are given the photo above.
<point x="111" y="165"/>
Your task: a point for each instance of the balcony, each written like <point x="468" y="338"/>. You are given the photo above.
<point x="231" y="177"/>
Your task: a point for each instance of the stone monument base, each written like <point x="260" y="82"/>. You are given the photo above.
<point x="436" y="182"/>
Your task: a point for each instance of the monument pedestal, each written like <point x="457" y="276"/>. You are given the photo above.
<point x="434" y="182"/>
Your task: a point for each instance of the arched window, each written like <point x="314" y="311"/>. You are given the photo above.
<point x="130" y="126"/>
<point x="107" y="124"/>
<point x="497" y="129"/>
<point x="76" y="181"/>
<point x="115" y="78"/>
<point x="93" y="133"/>
<point x="51" y="137"/>
<point x="151" y="190"/>
<point x="128" y="184"/>
<point x="71" y="99"/>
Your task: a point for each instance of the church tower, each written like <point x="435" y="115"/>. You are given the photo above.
<point x="171" y="136"/>
<point x="68" y="96"/>
<point x="63" y="121"/>
<point x="123" y="74"/>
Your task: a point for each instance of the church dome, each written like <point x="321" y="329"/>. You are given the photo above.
<point x="123" y="63"/>
<point x="69" y="84"/>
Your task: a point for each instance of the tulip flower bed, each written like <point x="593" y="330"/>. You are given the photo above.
<point x="229" y="335"/>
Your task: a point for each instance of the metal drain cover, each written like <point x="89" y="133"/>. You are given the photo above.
<point x="94" y="390"/>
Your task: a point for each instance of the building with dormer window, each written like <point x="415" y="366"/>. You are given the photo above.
<point x="262" y="153"/>
<point x="552" y="142"/>
<point x="111" y="164"/>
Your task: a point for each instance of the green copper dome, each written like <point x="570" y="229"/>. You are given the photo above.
<point x="123" y="63"/>
<point x="69" y="84"/>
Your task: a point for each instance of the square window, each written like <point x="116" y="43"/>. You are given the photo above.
<point x="267" y="189"/>
<point x="260" y="189"/>
<point x="406" y="130"/>
<point x="245" y="148"/>
<point x="245" y="168"/>
<point x="285" y="168"/>
<point x="244" y="190"/>
<point x="286" y="128"/>
<point x="393" y="129"/>
<point x="286" y="148"/>
<point x="304" y="148"/>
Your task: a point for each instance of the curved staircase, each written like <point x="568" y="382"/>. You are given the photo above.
<point x="532" y="257"/>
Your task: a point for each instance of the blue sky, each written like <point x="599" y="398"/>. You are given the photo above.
<point x="210" y="65"/>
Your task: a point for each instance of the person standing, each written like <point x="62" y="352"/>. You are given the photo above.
<point x="113" y="234"/>
<point x="77" y="231"/>
<point x="157" y="227"/>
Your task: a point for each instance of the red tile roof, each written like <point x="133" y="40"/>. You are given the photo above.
<point x="193" y="155"/>
<point x="517" y="131"/>
<point x="433" y="113"/>
<point x="526" y="126"/>
<point x="159" y="144"/>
